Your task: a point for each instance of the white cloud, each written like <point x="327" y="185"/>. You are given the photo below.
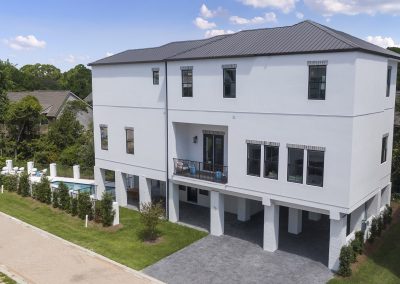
<point x="355" y="7"/>
<point x="267" y="18"/>
<point x="383" y="41"/>
<point x="211" y="33"/>
<point x="207" y="13"/>
<point x="284" y="5"/>
<point x="109" y="53"/>
<point x="76" y="59"/>
<point x="25" y="42"/>
<point x="204" y="24"/>
<point x="299" y="15"/>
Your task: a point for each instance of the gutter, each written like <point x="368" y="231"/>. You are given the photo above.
<point x="166" y="144"/>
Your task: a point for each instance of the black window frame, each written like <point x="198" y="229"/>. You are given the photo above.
<point x="187" y="86"/>
<point x="270" y="162"/>
<point x="388" y="80"/>
<point x="104" y="145"/>
<point x="156" y="77"/>
<point x="250" y="160"/>
<point x="203" y="192"/>
<point x="127" y="141"/>
<point x="384" y="148"/>
<point x="290" y="166"/>
<point x="313" y="168"/>
<point x="321" y="96"/>
<point x="232" y="83"/>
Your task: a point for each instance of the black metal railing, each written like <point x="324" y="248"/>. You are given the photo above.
<point x="199" y="170"/>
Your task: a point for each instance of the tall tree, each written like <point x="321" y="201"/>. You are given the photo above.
<point x="41" y="77"/>
<point x="78" y="80"/>
<point x="397" y="49"/>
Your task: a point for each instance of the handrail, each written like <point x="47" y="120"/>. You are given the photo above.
<point x="200" y="170"/>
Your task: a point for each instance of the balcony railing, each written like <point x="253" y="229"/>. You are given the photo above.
<point x="199" y="170"/>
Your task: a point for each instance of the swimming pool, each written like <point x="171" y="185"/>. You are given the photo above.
<point x="77" y="187"/>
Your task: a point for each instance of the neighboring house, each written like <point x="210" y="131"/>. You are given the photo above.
<point x="297" y="117"/>
<point x="89" y="99"/>
<point x="53" y="103"/>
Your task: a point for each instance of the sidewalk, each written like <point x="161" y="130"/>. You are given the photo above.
<point x="39" y="257"/>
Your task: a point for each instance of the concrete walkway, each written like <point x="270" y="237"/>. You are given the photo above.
<point x="39" y="257"/>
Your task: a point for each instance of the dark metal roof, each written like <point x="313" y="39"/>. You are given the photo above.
<point x="304" y="37"/>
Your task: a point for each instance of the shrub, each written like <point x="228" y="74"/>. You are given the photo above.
<point x="74" y="206"/>
<point x="357" y="247"/>
<point x="387" y="215"/>
<point x="150" y="215"/>
<point x="107" y="212"/>
<point x="381" y="225"/>
<point x="84" y="206"/>
<point x="63" y="196"/>
<point x="23" y="185"/>
<point x="344" y="261"/>
<point x="373" y="233"/>
<point x="97" y="211"/>
<point x="55" y="199"/>
<point x="10" y="182"/>
<point x="43" y="190"/>
<point x="360" y="239"/>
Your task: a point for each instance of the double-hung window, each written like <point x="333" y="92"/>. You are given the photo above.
<point x="317" y="82"/>
<point x="253" y="159"/>
<point x="229" y="82"/>
<point x="384" y="148"/>
<point x="130" y="146"/>
<point x="388" y="80"/>
<point x="271" y="161"/>
<point x="295" y="165"/>
<point x="315" y="167"/>
<point x="187" y="82"/>
<point x="104" y="137"/>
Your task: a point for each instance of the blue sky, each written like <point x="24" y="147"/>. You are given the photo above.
<point x="66" y="33"/>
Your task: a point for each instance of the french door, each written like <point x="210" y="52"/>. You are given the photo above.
<point x="213" y="152"/>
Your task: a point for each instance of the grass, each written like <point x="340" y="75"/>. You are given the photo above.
<point x="123" y="245"/>
<point x="4" y="279"/>
<point x="382" y="264"/>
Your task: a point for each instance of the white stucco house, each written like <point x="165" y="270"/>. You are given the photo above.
<point x="297" y="117"/>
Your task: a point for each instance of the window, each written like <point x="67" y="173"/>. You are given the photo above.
<point x="315" y="167"/>
<point x="229" y="83"/>
<point x="253" y="159"/>
<point x="156" y="77"/>
<point x="130" y="149"/>
<point x="388" y="80"/>
<point x="295" y="165"/>
<point x="317" y="82"/>
<point x="384" y="149"/>
<point x="271" y="160"/>
<point x="191" y="194"/>
<point x="203" y="192"/>
<point x="182" y="188"/>
<point x="104" y="137"/>
<point x="187" y="83"/>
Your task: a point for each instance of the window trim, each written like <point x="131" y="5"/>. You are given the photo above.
<point x="226" y="68"/>
<point x="103" y="147"/>
<point x="309" y="81"/>
<point x="183" y="70"/>
<point x="126" y="140"/>
<point x="247" y="158"/>
<point x="265" y="162"/>
<point x="323" y="168"/>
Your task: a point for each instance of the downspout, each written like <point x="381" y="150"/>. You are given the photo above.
<point x="166" y="142"/>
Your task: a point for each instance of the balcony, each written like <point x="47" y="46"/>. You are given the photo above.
<point x="199" y="170"/>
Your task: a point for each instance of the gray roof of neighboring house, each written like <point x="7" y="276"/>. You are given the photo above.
<point x="89" y="98"/>
<point x="304" y="37"/>
<point x="51" y="101"/>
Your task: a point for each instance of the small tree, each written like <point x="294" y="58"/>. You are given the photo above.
<point x="97" y="211"/>
<point x="55" y="199"/>
<point x="150" y="215"/>
<point x="381" y="225"/>
<point x="23" y="185"/>
<point x="10" y="183"/>
<point x="373" y="233"/>
<point x="63" y="195"/>
<point x="43" y="190"/>
<point x="74" y="206"/>
<point x="387" y="215"/>
<point x="344" y="261"/>
<point x="358" y="242"/>
<point x="84" y="206"/>
<point x="107" y="212"/>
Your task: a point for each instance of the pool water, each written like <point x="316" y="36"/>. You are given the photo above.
<point x="78" y="187"/>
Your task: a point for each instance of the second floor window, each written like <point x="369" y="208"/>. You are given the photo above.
<point x="130" y="149"/>
<point x="104" y="137"/>
<point x="315" y="167"/>
<point x="156" y="77"/>
<point x="388" y="80"/>
<point x="187" y="83"/>
<point x="295" y="165"/>
<point x="253" y="159"/>
<point x="229" y="82"/>
<point x="271" y="161"/>
<point x="384" y="149"/>
<point x="317" y="82"/>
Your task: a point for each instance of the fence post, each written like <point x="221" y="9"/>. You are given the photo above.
<point x="116" y="215"/>
<point x="86" y="220"/>
<point x="53" y="170"/>
<point x="77" y="173"/>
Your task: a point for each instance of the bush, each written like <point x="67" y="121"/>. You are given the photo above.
<point x="107" y="212"/>
<point x="43" y="190"/>
<point x="150" y="215"/>
<point x="344" y="261"/>
<point x="84" y="206"/>
<point x="381" y="225"/>
<point x="97" y="211"/>
<point x="63" y="196"/>
<point x="10" y="182"/>
<point x="387" y="215"/>
<point x="23" y="185"/>
<point x="74" y="206"/>
<point x="55" y="199"/>
<point x="373" y="233"/>
<point x="357" y="246"/>
<point x="360" y="239"/>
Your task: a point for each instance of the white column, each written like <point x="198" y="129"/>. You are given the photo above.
<point x="217" y="213"/>
<point x="116" y="211"/>
<point x="271" y="227"/>
<point x="386" y="195"/>
<point x="144" y="190"/>
<point x="295" y="222"/>
<point x="53" y="170"/>
<point x="243" y="209"/>
<point x="120" y="188"/>
<point x="77" y="171"/>
<point x="29" y="167"/>
<point x="314" y="216"/>
<point x="9" y="165"/>
<point x="337" y="240"/>
<point x="99" y="178"/>
<point x="173" y="202"/>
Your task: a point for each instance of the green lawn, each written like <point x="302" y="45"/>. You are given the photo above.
<point x="382" y="266"/>
<point x="4" y="279"/>
<point x="123" y="246"/>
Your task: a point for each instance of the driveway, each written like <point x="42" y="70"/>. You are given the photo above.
<point x="39" y="257"/>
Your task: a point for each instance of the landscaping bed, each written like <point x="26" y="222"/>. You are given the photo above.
<point x="123" y="245"/>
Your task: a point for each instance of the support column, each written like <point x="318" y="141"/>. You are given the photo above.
<point x="374" y="205"/>
<point x="9" y="165"/>
<point x="29" y="167"/>
<point x="295" y="223"/>
<point x="173" y="202"/>
<point x="337" y="239"/>
<point x="271" y="227"/>
<point x="77" y="171"/>
<point x="120" y="189"/>
<point x="100" y="179"/>
<point x="314" y="216"/>
<point x="386" y="195"/>
<point x="116" y="216"/>
<point x="243" y="209"/>
<point x="53" y="170"/>
<point x="144" y="190"/>
<point x="217" y="213"/>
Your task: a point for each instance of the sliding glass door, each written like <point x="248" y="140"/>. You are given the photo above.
<point x="213" y="152"/>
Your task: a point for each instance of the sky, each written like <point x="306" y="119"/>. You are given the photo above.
<point x="70" y="32"/>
